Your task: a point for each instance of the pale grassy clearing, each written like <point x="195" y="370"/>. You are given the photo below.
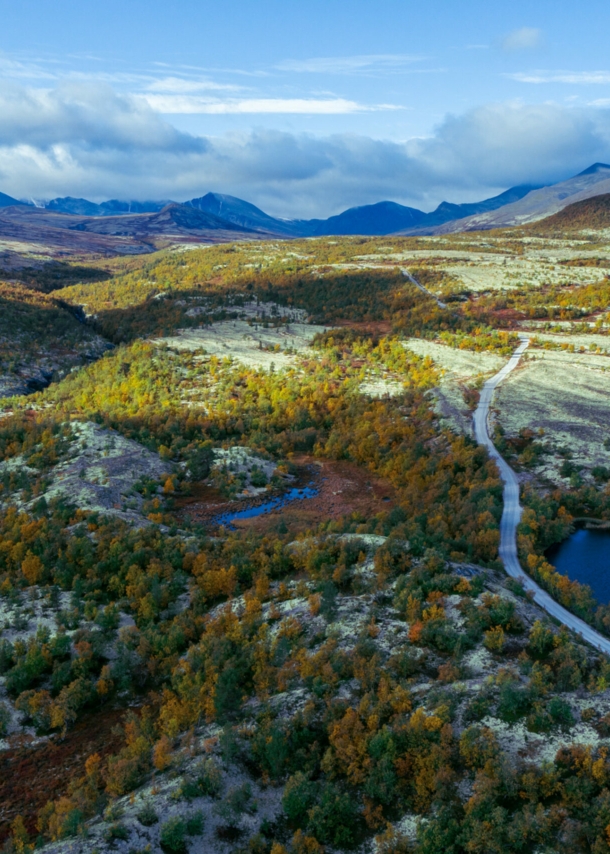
<point x="510" y="272"/>
<point x="381" y="388"/>
<point x="260" y="312"/>
<point x="491" y="263"/>
<point x="567" y="395"/>
<point x="459" y="370"/>
<point x="102" y="471"/>
<point x="581" y="343"/>
<point x="516" y="740"/>
<point x="251" y="345"/>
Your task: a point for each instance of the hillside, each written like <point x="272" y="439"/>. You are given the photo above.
<point x="40" y="340"/>
<point x="8" y="201"/>
<point x="537" y="204"/>
<point x="30" y="234"/>
<point x="246" y="215"/>
<point x="591" y="214"/>
<point x="447" y="212"/>
<point x="382" y="218"/>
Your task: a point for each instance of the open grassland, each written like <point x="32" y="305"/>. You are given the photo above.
<point x="563" y="398"/>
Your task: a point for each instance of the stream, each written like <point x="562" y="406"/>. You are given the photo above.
<point x="296" y="494"/>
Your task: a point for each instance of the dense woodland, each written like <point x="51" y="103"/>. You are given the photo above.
<point x="350" y="764"/>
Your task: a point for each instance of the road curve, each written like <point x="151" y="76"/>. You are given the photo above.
<point x="511" y="514"/>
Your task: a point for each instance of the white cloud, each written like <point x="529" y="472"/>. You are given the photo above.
<point x="516" y="143"/>
<point x="348" y="64"/>
<point x="86" y="140"/>
<point x="83" y="113"/>
<point x="525" y="38"/>
<point x="576" y="77"/>
<point x="181" y="84"/>
<point x="186" y="104"/>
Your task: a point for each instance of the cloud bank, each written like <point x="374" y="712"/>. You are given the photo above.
<point x="84" y="139"/>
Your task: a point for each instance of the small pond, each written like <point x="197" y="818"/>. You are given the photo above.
<point x="273" y="504"/>
<point x="585" y="557"/>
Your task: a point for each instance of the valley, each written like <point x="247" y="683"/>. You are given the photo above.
<point x="352" y="670"/>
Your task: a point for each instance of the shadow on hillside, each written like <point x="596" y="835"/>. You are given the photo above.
<point x="336" y="298"/>
<point x="55" y="275"/>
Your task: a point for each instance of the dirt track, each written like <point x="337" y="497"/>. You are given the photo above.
<point x="511" y="515"/>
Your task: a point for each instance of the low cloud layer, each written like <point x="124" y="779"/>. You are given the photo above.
<point x="198" y="105"/>
<point x="87" y="140"/>
<point x="349" y="64"/>
<point x="580" y="78"/>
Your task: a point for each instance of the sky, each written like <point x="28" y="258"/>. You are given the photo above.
<point x="304" y="109"/>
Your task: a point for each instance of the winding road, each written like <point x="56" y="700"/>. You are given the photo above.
<point x="422" y="288"/>
<point x="511" y="514"/>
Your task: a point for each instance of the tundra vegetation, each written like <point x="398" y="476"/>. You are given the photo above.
<point x="372" y="682"/>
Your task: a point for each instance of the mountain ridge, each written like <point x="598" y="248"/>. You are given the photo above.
<point x="380" y="218"/>
<point x="536" y="205"/>
<point x="517" y="205"/>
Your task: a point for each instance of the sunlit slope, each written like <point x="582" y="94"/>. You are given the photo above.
<point x="585" y="215"/>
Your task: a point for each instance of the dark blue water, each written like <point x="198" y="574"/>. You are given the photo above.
<point x="273" y="504"/>
<point x="585" y="557"/>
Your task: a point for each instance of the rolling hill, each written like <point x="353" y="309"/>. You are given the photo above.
<point x="60" y="234"/>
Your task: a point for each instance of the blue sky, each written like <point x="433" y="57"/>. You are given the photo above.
<point x="302" y="108"/>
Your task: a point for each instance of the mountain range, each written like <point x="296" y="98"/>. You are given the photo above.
<point x="377" y="219"/>
<point x="127" y="227"/>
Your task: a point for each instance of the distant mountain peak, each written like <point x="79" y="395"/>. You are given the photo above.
<point x="9" y="201"/>
<point x="596" y="167"/>
<point x="241" y="213"/>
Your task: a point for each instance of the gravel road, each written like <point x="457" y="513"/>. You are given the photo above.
<point x="511" y="514"/>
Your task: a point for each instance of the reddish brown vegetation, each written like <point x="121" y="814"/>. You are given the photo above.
<point x="343" y="488"/>
<point x="32" y="775"/>
<point x="367" y="327"/>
